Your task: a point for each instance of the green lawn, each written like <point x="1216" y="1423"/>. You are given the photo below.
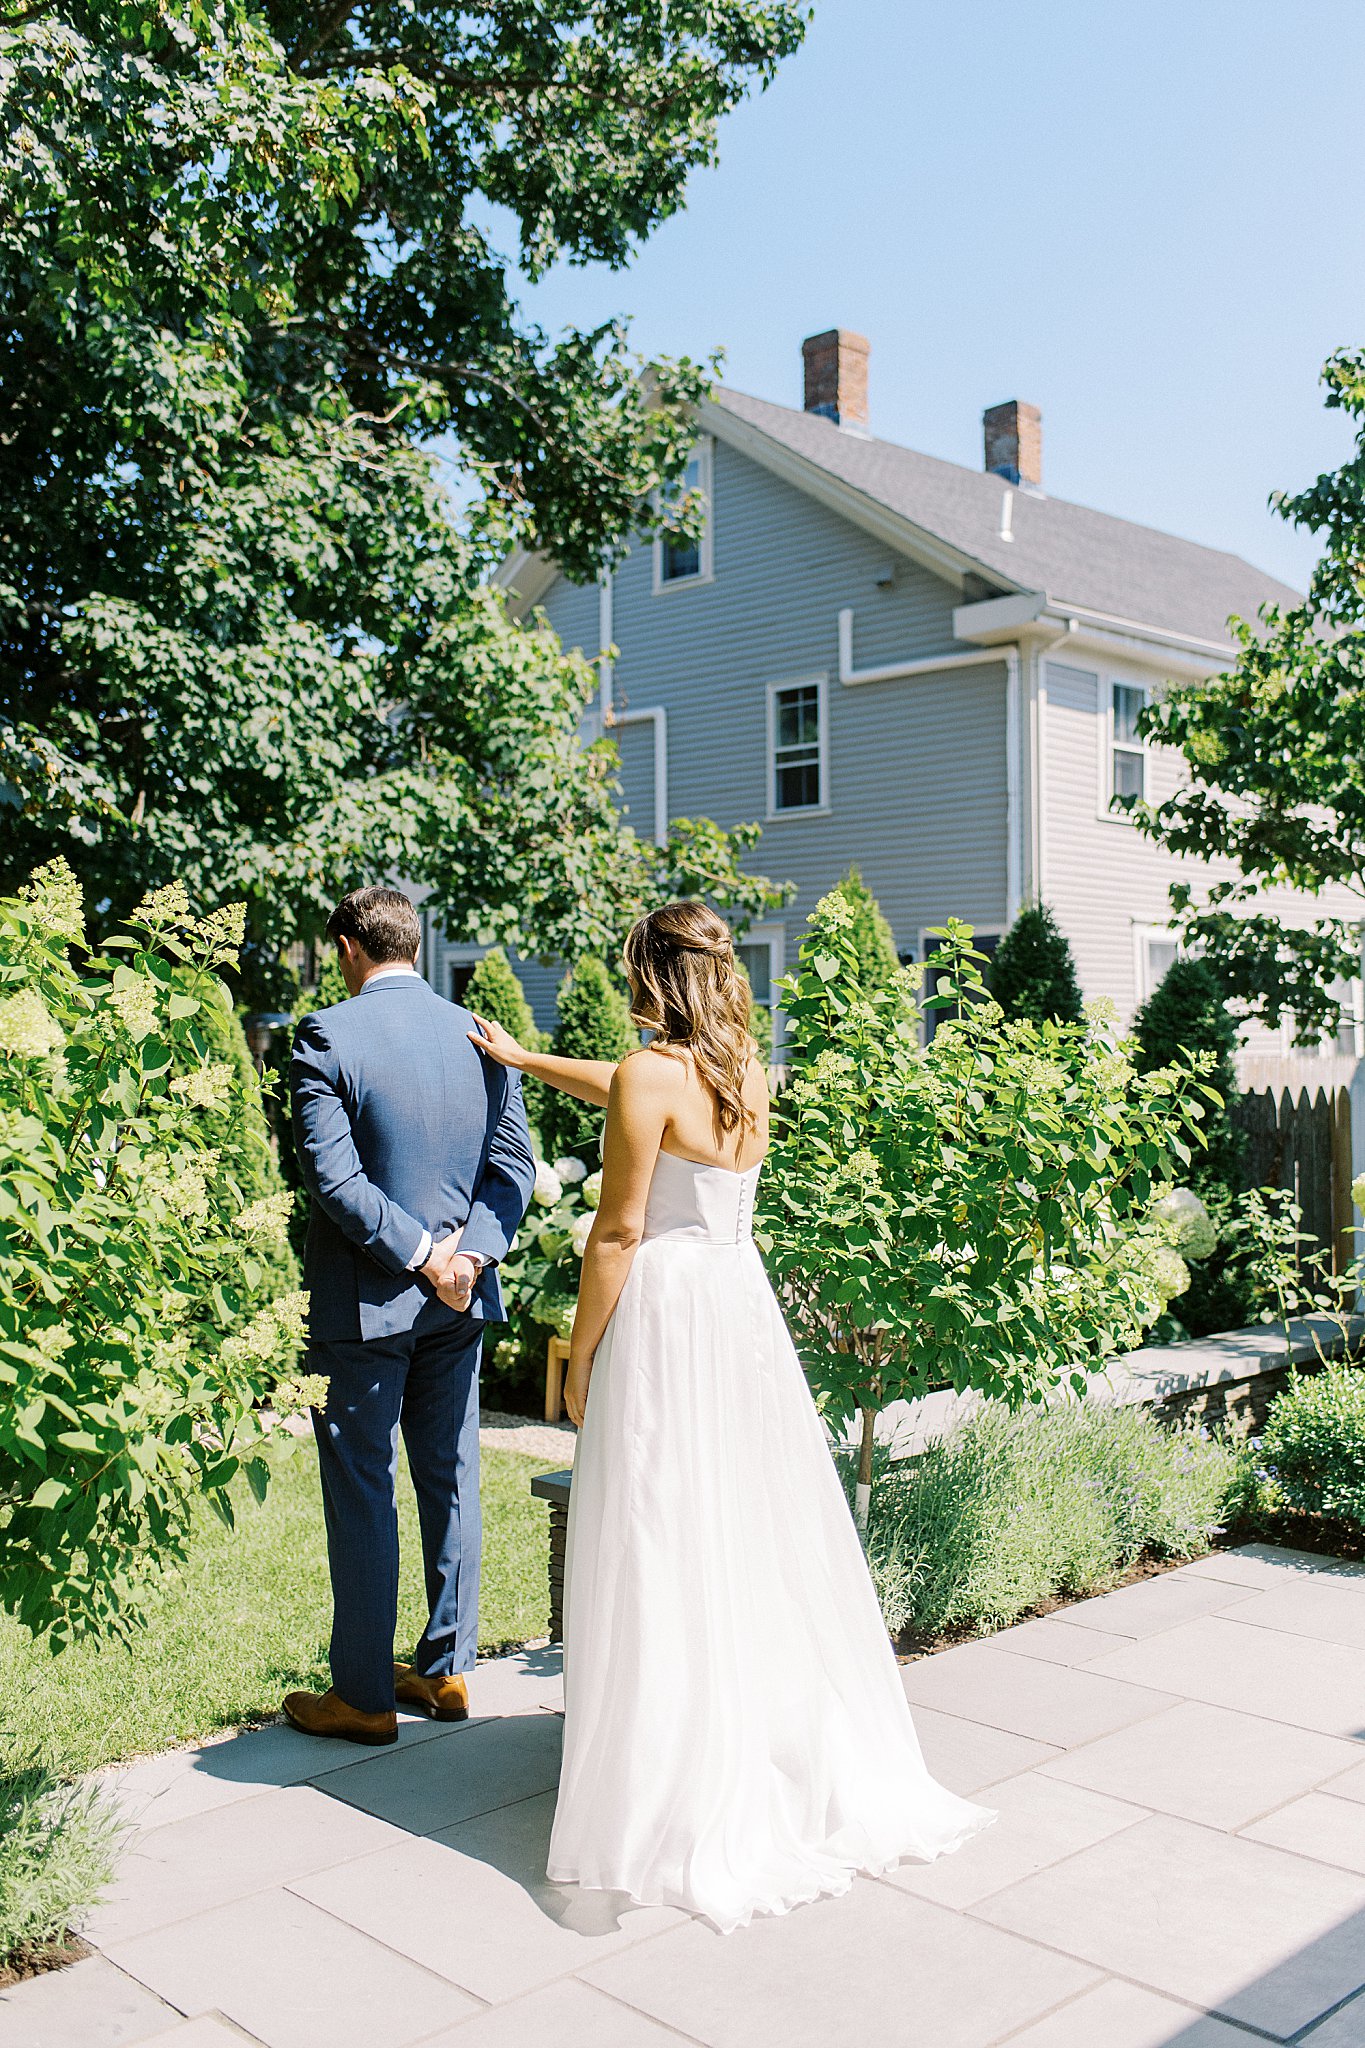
<point x="248" y="1618"/>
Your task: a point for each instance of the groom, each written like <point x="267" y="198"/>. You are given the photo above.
<point x="416" y="1154"/>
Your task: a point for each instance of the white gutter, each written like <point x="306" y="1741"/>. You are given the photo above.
<point x="923" y="665"/>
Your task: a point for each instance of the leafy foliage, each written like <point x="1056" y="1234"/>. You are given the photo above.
<point x="141" y="1312"/>
<point x="58" y="1845"/>
<point x="1274" y="749"/>
<point x="244" y="638"/>
<point x="541" y="1276"/>
<point x="594" y="1024"/>
<point x="869" y="932"/>
<point x="973" y="1213"/>
<point x="1033" y="974"/>
<point x="1313" y="1446"/>
<point x="1009" y="1510"/>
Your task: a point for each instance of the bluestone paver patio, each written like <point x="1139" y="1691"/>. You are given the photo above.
<point x="1179" y="1862"/>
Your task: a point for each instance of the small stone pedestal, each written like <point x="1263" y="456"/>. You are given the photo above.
<point x="554" y="1487"/>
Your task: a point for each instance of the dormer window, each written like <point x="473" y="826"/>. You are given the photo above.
<point x="680" y="559"/>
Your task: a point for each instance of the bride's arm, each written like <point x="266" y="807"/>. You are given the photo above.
<point x="589" y="1080"/>
<point x="637" y="1113"/>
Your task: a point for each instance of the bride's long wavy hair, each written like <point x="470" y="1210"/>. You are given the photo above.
<point x="686" y="987"/>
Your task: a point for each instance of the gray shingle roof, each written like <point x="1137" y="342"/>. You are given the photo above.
<point x="1075" y="555"/>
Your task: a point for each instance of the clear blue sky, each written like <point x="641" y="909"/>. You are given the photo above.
<point x="1147" y="219"/>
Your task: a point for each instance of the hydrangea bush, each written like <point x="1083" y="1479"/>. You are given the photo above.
<point x="142" y="1322"/>
<point x="976" y="1212"/>
<point x="541" y="1276"/>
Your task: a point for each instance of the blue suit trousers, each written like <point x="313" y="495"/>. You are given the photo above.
<point x="426" y="1383"/>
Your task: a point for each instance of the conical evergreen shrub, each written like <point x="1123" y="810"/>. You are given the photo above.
<point x="872" y="935"/>
<point x="594" y="1024"/>
<point x="495" y="992"/>
<point x="1188" y="1013"/>
<point x="1033" y="974"/>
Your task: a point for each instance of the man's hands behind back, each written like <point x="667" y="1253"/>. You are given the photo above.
<point x="452" y="1272"/>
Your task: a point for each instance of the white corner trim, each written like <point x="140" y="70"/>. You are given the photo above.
<point x="922" y="665"/>
<point x="656" y="716"/>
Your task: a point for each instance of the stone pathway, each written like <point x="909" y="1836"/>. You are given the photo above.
<point x="1179" y="1863"/>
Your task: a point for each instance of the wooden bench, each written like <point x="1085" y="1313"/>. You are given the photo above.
<point x="556" y="1358"/>
<point x="554" y="1487"/>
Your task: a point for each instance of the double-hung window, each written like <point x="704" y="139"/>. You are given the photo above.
<point x="798" y="769"/>
<point x="687" y="559"/>
<point x="1127" y="748"/>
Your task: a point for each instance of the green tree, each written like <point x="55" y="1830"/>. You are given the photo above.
<point x="869" y="932"/>
<point x="972" y="1213"/>
<point x="494" y="991"/>
<point x="245" y="639"/>
<point x="1188" y="1013"/>
<point x="1274" y="749"/>
<point x="142" y="1317"/>
<point x="1033" y="974"/>
<point x="594" y="1024"/>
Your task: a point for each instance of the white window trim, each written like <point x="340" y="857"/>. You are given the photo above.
<point x="1105" y="765"/>
<point x="706" y="551"/>
<point x="457" y="955"/>
<point x="774" y="937"/>
<point x="1144" y="935"/>
<point x="656" y="716"/>
<point x="822" y="809"/>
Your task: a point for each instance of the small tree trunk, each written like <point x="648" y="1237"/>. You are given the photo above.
<point x="863" y="1492"/>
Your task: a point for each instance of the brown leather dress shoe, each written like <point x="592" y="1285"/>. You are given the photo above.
<point x="444" y="1699"/>
<point x="324" y="1713"/>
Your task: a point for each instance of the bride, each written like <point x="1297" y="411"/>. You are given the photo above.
<point x="736" y="1738"/>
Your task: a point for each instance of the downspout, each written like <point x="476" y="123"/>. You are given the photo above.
<point x="606" y="668"/>
<point x="1014" y="811"/>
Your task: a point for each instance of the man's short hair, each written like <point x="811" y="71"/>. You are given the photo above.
<point x="380" y="921"/>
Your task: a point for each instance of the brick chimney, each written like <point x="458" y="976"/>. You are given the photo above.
<point x="1014" y="442"/>
<point x="836" y="376"/>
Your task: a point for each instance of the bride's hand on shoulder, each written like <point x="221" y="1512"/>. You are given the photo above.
<point x="499" y="1045"/>
<point x="576" y="1379"/>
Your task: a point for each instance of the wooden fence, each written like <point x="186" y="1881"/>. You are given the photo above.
<point x="1302" y="1142"/>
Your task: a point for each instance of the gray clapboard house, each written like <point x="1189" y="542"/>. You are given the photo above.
<point x="887" y="659"/>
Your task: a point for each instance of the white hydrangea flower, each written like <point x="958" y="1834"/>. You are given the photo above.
<point x="581" y="1231"/>
<point x="1358" y="1191"/>
<point x="591" y="1189"/>
<point x="136" y="1003"/>
<point x="28" y="1028"/>
<point x="570" y="1170"/>
<point x="1187" y="1222"/>
<point x="549" y="1187"/>
<point x="268" y="1217"/>
<point x="1170" y="1274"/>
<point x="54" y="897"/>
<point x="206" y="1087"/>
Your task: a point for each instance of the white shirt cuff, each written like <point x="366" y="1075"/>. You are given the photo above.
<point x="422" y="1253"/>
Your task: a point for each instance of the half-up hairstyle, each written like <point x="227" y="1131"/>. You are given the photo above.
<point x="686" y="987"/>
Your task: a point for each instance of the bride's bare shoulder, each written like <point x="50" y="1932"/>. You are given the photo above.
<point x="650" y="1072"/>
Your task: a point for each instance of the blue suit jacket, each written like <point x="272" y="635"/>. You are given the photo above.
<point x="401" y="1126"/>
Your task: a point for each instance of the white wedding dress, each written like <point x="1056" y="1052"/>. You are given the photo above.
<point x="736" y="1737"/>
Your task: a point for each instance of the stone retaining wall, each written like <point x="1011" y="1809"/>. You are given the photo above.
<point x="1231" y="1378"/>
